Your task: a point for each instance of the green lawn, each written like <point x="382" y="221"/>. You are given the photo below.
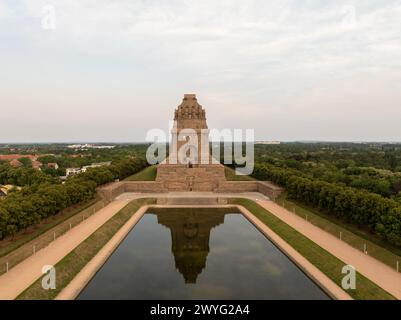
<point x="323" y="260"/>
<point x="349" y="233"/>
<point x="147" y="174"/>
<point x="231" y="176"/>
<point x="72" y="263"/>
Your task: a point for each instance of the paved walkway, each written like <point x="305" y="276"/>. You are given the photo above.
<point x="378" y="272"/>
<point x="28" y="271"/>
<point x="25" y="273"/>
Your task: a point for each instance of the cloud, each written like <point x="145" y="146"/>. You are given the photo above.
<point x="270" y="58"/>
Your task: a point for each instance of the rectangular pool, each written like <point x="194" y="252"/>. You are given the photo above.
<point x="198" y="254"/>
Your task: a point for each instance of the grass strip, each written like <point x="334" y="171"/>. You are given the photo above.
<point x="320" y="258"/>
<point x="72" y="263"/>
<point x="147" y="174"/>
<point x="232" y="176"/>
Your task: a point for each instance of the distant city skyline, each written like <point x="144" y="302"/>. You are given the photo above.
<point x="106" y="71"/>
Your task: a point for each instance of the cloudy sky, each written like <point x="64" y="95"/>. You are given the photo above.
<point x="103" y="70"/>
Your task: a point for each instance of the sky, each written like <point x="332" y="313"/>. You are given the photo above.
<point x="103" y="70"/>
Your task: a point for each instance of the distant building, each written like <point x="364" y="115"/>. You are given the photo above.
<point x="16" y="156"/>
<point x="267" y="142"/>
<point x="53" y="165"/>
<point x="88" y="146"/>
<point x="13" y="159"/>
<point x="15" y="163"/>
<point x="72" y="171"/>
<point x="76" y="156"/>
<point x="103" y="147"/>
<point x="96" y="165"/>
<point x="36" y="164"/>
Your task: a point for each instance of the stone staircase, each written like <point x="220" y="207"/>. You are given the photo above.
<point x="187" y="201"/>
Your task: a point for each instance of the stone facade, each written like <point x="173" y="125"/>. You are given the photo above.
<point x="183" y="178"/>
<point x="190" y="166"/>
<point x="190" y="134"/>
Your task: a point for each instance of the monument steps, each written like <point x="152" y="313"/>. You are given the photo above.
<point x="192" y="201"/>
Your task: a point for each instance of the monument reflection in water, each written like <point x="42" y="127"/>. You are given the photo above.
<point x="190" y="234"/>
<point x="216" y="254"/>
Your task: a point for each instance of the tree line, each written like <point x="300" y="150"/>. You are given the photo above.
<point x="23" y="176"/>
<point x="47" y="197"/>
<point x="382" y="216"/>
<point x="372" y="167"/>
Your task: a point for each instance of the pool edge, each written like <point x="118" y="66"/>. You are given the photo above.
<point x="80" y="281"/>
<point x="317" y="276"/>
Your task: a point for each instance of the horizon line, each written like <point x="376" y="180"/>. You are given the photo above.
<point x="147" y="142"/>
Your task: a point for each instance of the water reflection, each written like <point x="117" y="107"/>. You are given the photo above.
<point x="198" y="254"/>
<point x="190" y="234"/>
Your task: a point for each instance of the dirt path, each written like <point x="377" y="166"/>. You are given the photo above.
<point x="25" y="273"/>
<point x="376" y="271"/>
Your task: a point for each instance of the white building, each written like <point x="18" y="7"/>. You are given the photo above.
<point x="72" y="171"/>
<point x="88" y="146"/>
<point x="53" y="165"/>
<point x="267" y="142"/>
<point x="96" y="165"/>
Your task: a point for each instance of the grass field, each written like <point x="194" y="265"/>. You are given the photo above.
<point x="323" y="260"/>
<point x="147" y="174"/>
<point x="349" y="233"/>
<point x="231" y="176"/>
<point x="72" y="263"/>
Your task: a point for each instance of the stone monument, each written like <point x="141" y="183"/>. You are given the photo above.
<point x="190" y="166"/>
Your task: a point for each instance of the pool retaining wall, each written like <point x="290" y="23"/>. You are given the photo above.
<point x="73" y="289"/>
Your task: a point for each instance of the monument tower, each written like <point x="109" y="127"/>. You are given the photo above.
<point x="190" y="166"/>
<point x="190" y="134"/>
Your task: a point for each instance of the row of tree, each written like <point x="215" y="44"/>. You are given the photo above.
<point x="37" y="201"/>
<point x="22" y="176"/>
<point x="375" y="168"/>
<point x="377" y="155"/>
<point x="380" y="215"/>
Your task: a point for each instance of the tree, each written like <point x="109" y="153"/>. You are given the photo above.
<point x="26" y="162"/>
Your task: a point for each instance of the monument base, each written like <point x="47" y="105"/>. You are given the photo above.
<point x="179" y="177"/>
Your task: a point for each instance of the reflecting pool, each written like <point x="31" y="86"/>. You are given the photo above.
<point x="198" y="254"/>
